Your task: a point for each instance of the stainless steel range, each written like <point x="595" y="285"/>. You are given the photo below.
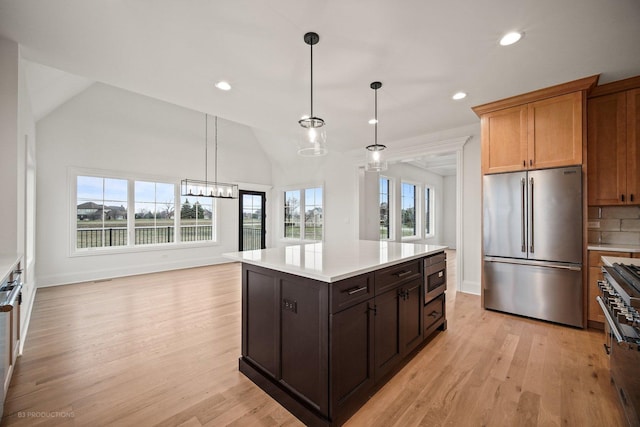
<point x="620" y="302"/>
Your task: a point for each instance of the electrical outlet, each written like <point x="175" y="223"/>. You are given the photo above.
<point x="289" y="305"/>
<point x="593" y="224"/>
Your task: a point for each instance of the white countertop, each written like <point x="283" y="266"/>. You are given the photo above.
<point x="610" y="260"/>
<point x="330" y="262"/>
<point x="8" y="263"/>
<point x="613" y="247"/>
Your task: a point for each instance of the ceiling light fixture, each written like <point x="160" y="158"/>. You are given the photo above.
<point x="375" y="162"/>
<point x="510" y="38"/>
<point x="459" y="95"/>
<point x="314" y="138"/>
<point x="222" y="85"/>
<point x="206" y="188"/>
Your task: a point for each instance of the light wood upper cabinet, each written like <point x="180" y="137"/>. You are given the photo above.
<point x="537" y="130"/>
<point x="614" y="145"/>
<point x="555" y="131"/>
<point x="607" y="149"/>
<point x="504" y="140"/>
<point x="633" y="145"/>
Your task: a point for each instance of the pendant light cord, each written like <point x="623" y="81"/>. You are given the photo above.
<point x="216" y="149"/>
<point x="206" y="146"/>
<point x="376" y="118"/>
<point x="311" y="80"/>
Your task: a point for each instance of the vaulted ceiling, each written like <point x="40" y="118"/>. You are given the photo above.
<point x="422" y="52"/>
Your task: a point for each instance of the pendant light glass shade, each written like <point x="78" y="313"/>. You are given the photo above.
<point x="313" y="138"/>
<point x="206" y="188"/>
<point x="375" y="160"/>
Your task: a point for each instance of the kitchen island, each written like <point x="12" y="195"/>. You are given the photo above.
<point x="324" y="325"/>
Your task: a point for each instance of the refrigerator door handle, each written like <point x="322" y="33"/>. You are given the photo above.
<point x="531" y="221"/>
<point x="571" y="267"/>
<point x="523" y="220"/>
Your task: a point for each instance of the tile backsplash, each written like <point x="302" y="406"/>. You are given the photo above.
<point x="615" y="225"/>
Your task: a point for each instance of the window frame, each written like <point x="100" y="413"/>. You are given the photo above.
<point x="302" y="205"/>
<point x="429" y="207"/>
<point x="417" y="210"/>
<point x="131" y="247"/>
<point x="390" y="205"/>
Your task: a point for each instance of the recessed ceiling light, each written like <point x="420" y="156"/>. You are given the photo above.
<point x="222" y="85"/>
<point x="510" y="38"/>
<point x="373" y="121"/>
<point x="459" y="95"/>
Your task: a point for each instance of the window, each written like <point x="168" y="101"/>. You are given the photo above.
<point x="124" y="212"/>
<point x="428" y="211"/>
<point x="197" y="218"/>
<point x="155" y="213"/>
<point x="385" y="232"/>
<point x="313" y="214"/>
<point x="408" y="206"/>
<point x="101" y="212"/>
<point x="309" y="201"/>
<point x="292" y="214"/>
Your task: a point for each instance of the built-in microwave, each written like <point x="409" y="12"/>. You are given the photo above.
<point x="435" y="276"/>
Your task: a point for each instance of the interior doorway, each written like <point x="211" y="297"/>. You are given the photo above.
<point x="252" y="220"/>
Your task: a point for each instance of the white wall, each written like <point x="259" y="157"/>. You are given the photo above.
<point x="16" y="128"/>
<point x="9" y="84"/>
<point x="449" y="211"/>
<point x="111" y="129"/>
<point x="26" y="198"/>
<point x="472" y="215"/>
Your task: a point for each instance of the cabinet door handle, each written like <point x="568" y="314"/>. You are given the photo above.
<point x="622" y="197"/>
<point x="404" y="273"/>
<point x="434" y="314"/>
<point x="631" y="197"/>
<point x="355" y="290"/>
<point x="524" y="163"/>
<point x="374" y="309"/>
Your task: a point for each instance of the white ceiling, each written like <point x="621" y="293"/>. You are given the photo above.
<point x="422" y="51"/>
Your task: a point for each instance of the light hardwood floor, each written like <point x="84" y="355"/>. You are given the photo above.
<point x="162" y="349"/>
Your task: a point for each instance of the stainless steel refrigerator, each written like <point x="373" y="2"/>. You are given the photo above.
<point x="533" y="244"/>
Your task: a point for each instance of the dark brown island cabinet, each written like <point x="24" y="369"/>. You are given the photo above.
<point x="321" y="349"/>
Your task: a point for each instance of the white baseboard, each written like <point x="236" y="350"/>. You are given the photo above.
<point x="470" y="287"/>
<point x="129" y="270"/>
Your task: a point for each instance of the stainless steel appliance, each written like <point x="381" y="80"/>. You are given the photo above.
<point x="532" y="238"/>
<point x="435" y="276"/>
<point x="620" y="301"/>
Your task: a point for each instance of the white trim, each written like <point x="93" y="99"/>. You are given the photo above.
<point x="470" y="287"/>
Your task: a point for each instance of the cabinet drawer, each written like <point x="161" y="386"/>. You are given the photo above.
<point x="390" y="277"/>
<point x="435" y="259"/>
<point x="348" y="292"/>
<point x="433" y="312"/>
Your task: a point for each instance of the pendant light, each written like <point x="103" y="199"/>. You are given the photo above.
<point x="375" y="162"/>
<point x="313" y="141"/>
<point x="206" y="188"/>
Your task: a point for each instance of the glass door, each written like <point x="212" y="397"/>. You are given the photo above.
<point x="252" y="220"/>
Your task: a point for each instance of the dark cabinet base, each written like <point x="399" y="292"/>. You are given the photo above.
<point x="308" y="415"/>
<point x="321" y="349"/>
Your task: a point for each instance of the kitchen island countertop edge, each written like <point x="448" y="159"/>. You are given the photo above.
<point x="333" y="261"/>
